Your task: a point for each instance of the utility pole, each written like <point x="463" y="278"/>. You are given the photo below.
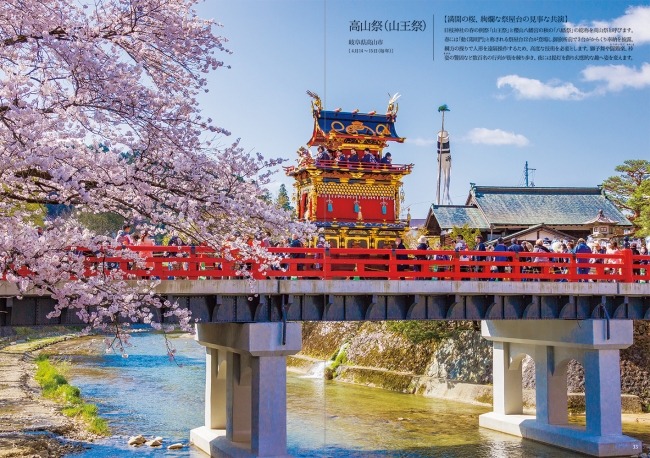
<point x="529" y="183"/>
<point x="526" y="173"/>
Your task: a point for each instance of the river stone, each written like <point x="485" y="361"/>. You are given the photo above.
<point x="137" y="440"/>
<point x="175" y="446"/>
<point x="157" y="442"/>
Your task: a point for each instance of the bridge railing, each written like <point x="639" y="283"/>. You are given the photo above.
<point x="197" y="262"/>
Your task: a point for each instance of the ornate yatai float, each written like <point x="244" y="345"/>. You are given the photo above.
<point x="354" y="204"/>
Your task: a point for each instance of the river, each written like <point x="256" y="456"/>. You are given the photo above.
<point x="147" y="394"/>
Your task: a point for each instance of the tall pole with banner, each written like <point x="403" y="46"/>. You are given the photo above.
<point x="444" y="161"/>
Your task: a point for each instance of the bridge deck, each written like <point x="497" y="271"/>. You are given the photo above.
<point x="347" y="300"/>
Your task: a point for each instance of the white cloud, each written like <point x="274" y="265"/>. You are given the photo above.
<point x="618" y="77"/>
<point x="419" y="141"/>
<point x="528" y="88"/>
<point x="636" y="18"/>
<point x="485" y="136"/>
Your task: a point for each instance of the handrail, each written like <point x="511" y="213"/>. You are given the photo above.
<point x="354" y="166"/>
<point x="350" y="165"/>
<point x="199" y="262"/>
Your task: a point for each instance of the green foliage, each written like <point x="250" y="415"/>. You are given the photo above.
<point x="642" y="222"/>
<point x="36" y="213"/>
<point x="50" y="376"/>
<point x="267" y="197"/>
<point x="339" y="357"/>
<point x="630" y="190"/>
<point x="423" y="331"/>
<point x="106" y="223"/>
<point x="468" y="234"/>
<point x="283" y="201"/>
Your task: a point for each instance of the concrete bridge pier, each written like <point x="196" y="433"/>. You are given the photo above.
<point x="552" y="345"/>
<point x="245" y="388"/>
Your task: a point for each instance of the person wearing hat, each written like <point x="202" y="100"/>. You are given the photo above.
<point x="387" y="159"/>
<point x="422" y="245"/>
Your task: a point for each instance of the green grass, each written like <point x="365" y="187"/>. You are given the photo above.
<point x="338" y="357"/>
<point x="51" y="377"/>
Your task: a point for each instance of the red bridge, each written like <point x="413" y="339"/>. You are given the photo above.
<point x="194" y="263"/>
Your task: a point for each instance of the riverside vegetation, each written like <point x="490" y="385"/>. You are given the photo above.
<point x="51" y="377"/>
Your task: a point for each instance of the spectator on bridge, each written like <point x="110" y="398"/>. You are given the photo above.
<point x="643" y="251"/>
<point x="480" y="246"/>
<point x="598" y="249"/>
<point x="571" y="246"/>
<point x="400" y="246"/>
<point x="527" y="248"/>
<point x="296" y="243"/>
<point x="558" y="247"/>
<point x="582" y="248"/>
<point x="422" y="245"/>
<point x="500" y="247"/>
<point x="439" y="257"/>
<point x="322" y="243"/>
<point x="124" y="237"/>
<point x="516" y="248"/>
<point x="176" y="241"/>
<point x="461" y="245"/>
<point x="635" y="252"/>
<point x="540" y="247"/>
<point x="612" y="248"/>
<point x="147" y="240"/>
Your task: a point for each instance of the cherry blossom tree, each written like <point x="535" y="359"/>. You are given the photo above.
<point x="99" y="110"/>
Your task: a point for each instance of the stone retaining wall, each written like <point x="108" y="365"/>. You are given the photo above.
<point x="457" y="368"/>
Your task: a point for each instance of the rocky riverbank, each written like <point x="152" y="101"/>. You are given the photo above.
<point x="31" y="426"/>
<point x="455" y="365"/>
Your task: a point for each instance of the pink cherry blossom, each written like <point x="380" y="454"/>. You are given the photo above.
<point x="98" y="110"/>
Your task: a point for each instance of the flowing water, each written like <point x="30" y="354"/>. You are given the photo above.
<point x="146" y="394"/>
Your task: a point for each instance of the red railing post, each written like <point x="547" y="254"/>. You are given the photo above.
<point x="628" y="266"/>
<point x="456" y="266"/>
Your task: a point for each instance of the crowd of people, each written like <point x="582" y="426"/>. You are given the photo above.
<point x="545" y="256"/>
<point x="355" y="157"/>
<point x="540" y="252"/>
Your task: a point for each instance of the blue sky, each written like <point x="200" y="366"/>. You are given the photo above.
<point x="572" y="121"/>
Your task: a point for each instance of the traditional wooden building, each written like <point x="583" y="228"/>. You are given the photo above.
<point x="529" y="213"/>
<point x="355" y="204"/>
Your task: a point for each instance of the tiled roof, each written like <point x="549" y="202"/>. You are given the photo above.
<point x="553" y="206"/>
<point x="449" y="216"/>
<point x="529" y="230"/>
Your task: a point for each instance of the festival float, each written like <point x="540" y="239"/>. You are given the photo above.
<point x="354" y="204"/>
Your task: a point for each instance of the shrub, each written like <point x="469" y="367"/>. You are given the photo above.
<point x="56" y="387"/>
